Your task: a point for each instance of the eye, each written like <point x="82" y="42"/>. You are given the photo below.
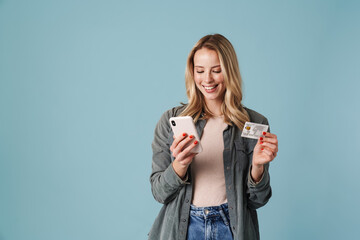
<point x="217" y="71"/>
<point x="199" y="71"/>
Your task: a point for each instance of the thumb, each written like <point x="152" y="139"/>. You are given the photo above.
<point x="258" y="146"/>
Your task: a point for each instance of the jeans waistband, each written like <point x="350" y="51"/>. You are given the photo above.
<point x="212" y="211"/>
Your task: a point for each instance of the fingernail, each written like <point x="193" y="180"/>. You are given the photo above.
<point x="195" y="142"/>
<point x="262" y="149"/>
<point x="261" y="138"/>
<point x="184" y="134"/>
<point x="264" y="133"/>
<point x="191" y="136"/>
<point x="261" y="142"/>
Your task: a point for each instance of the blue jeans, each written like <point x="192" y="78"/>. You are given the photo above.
<point x="209" y="223"/>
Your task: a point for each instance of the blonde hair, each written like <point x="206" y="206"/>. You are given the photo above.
<point x="231" y="107"/>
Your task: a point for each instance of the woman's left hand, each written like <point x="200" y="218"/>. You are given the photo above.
<point x="264" y="152"/>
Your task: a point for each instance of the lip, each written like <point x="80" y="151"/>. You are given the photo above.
<point x="212" y="89"/>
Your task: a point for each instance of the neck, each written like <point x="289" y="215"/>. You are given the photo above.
<point x="214" y="107"/>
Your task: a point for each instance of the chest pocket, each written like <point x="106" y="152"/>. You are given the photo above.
<point x="246" y="148"/>
<point x="242" y="156"/>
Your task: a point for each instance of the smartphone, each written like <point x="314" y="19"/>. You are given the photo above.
<point x="186" y="125"/>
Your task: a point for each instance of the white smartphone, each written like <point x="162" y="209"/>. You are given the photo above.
<point x="186" y="125"/>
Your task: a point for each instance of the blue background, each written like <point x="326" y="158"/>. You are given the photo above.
<point x="83" y="83"/>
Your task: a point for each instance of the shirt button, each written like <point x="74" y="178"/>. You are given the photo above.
<point x="228" y="168"/>
<point x="229" y="187"/>
<point x="184" y="220"/>
<point x="187" y="200"/>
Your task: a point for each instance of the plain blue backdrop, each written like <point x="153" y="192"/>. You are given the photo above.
<point x="83" y="84"/>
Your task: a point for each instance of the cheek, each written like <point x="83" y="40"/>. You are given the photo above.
<point x="197" y="79"/>
<point x="220" y="79"/>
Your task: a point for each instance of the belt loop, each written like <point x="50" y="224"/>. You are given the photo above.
<point x="222" y="214"/>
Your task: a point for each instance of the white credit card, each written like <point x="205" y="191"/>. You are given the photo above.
<point x="254" y="130"/>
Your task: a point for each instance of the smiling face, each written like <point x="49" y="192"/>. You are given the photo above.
<point x="208" y="76"/>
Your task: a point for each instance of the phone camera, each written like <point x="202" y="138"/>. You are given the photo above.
<point x="173" y="123"/>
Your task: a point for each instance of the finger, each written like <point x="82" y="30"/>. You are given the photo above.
<point x="270" y="139"/>
<point x="182" y="144"/>
<point x="273" y="150"/>
<point x="177" y="140"/>
<point x="269" y="135"/>
<point x="179" y="148"/>
<point x="188" y="149"/>
<point x="258" y="144"/>
<point x="271" y="146"/>
<point x="268" y="153"/>
<point x="188" y="159"/>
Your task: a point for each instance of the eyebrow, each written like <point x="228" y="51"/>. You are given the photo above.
<point x="211" y="67"/>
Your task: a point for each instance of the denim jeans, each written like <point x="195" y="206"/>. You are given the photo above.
<point x="209" y="223"/>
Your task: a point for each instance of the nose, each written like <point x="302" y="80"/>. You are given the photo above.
<point x="208" y="78"/>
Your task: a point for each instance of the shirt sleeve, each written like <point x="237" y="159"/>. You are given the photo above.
<point x="251" y="180"/>
<point x="165" y="183"/>
<point x="260" y="192"/>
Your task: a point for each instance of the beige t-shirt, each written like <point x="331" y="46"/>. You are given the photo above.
<point x="208" y="168"/>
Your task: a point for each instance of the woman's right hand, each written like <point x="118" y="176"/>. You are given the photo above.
<point x="182" y="154"/>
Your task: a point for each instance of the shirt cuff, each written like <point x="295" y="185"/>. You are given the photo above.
<point x="251" y="180"/>
<point x="177" y="179"/>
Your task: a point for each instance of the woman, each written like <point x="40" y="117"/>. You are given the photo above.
<point x="213" y="194"/>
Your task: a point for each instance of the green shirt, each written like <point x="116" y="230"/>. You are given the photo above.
<point x="243" y="195"/>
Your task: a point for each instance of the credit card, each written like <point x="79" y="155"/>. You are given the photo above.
<point x="253" y="130"/>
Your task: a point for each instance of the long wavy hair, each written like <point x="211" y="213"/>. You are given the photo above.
<point x="233" y="110"/>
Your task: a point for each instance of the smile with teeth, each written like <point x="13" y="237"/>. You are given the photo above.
<point x="209" y="88"/>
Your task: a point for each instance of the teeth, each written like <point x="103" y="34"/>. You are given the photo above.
<point x="209" y="88"/>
